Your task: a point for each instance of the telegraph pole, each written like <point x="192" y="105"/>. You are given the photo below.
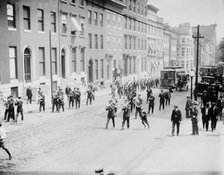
<point x="197" y="56"/>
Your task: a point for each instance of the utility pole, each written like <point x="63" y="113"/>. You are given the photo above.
<point x="197" y="57"/>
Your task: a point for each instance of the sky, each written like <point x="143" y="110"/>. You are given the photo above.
<point x="197" y="12"/>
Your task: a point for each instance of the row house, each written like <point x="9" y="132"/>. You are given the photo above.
<point x="153" y="49"/>
<point x="135" y="60"/>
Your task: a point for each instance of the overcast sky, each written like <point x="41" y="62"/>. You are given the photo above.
<point x="197" y="12"/>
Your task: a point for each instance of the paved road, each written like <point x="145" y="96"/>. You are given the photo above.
<point x="77" y="141"/>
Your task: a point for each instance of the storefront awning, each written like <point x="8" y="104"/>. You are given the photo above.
<point x="75" y="25"/>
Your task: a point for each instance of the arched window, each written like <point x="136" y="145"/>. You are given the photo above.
<point x="27" y="65"/>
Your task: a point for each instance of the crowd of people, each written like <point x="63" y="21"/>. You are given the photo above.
<point x="211" y="106"/>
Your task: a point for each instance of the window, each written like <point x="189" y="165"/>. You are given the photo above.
<point x="134" y="23"/>
<point x="96" y="41"/>
<point x="138" y="44"/>
<point x="182" y="51"/>
<point x="129" y="23"/>
<point x="83" y="29"/>
<point x="96" y="66"/>
<point x="145" y="45"/>
<point x="82" y="60"/>
<point x="64" y="23"/>
<point x="134" y="42"/>
<point x="114" y="41"/>
<point x="145" y="11"/>
<point x="130" y="3"/>
<point x="53" y="22"/>
<point x="101" y="41"/>
<point x="95" y="18"/>
<point x="73" y="1"/>
<point x="13" y="62"/>
<point x="134" y="62"/>
<point x="41" y="61"/>
<point x="134" y="4"/>
<point x="108" y="18"/>
<point x="183" y="40"/>
<point x="74" y="60"/>
<point x="138" y="7"/>
<point x="90" y="41"/>
<point x="182" y="64"/>
<point x="114" y="19"/>
<point x="11" y="15"/>
<point x="40" y="19"/>
<point x="101" y="19"/>
<point x="125" y="22"/>
<point x="101" y="68"/>
<point x="54" y="60"/>
<point x="119" y="21"/>
<point x="27" y="65"/>
<point x="89" y="16"/>
<point x="130" y="42"/>
<point x="82" y="2"/>
<point x="26" y="18"/>
<point x="142" y="44"/>
<point x="125" y="41"/>
<point x="142" y="10"/>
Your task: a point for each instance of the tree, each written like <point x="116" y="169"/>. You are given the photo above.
<point x="221" y="50"/>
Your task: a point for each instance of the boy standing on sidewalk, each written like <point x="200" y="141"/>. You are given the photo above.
<point x="19" y="104"/>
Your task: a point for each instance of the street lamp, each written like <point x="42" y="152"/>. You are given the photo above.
<point x="192" y="74"/>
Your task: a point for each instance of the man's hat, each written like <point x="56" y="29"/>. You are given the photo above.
<point x="213" y="103"/>
<point x="188" y="96"/>
<point x="19" y="97"/>
<point x="176" y="106"/>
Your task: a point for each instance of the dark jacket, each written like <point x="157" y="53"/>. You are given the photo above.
<point x="151" y="100"/>
<point x="29" y="92"/>
<point x="162" y="98"/>
<point x="176" y="116"/>
<point x="127" y="111"/>
<point x="111" y="111"/>
<point x="213" y="113"/>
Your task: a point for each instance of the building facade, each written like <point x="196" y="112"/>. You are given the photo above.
<point x="185" y="47"/>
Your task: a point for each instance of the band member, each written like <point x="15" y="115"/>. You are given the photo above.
<point x="42" y="102"/>
<point x="61" y="102"/>
<point x="176" y="118"/>
<point x="6" y="103"/>
<point x="55" y="101"/>
<point x="19" y="104"/>
<point x="77" y="98"/>
<point x="71" y="97"/>
<point x="138" y="105"/>
<point x="3" y="135"/>
<point x="151" y="100"/>
<point x="194" y="118"/>
<point x="161" y="100"/>
<point x="89" y="96"/>
<point x="205" y="116"/>
<point x="11" y="109"/>
<point x="111" y="113"/>
<point x="126" y="113"/>
<point x="144" y="118"/>
<point x="149" y="92"/>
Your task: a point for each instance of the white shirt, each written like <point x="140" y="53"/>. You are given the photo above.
<point x="3" y="133"/>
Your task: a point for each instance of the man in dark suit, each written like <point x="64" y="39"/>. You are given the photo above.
<point x="205" y="116"/>
<point x="29" y="95"/>
<point x="213" y="114"/>
<point x="151" y="100"/>
<point x="176" y="118"/>
<point x="161" y="100"/>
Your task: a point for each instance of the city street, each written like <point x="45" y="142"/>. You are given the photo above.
<point x="76" y="141"/>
